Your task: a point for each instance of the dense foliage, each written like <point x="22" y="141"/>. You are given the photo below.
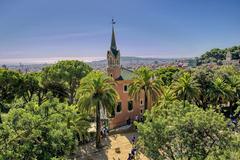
<point x="216" y="54"/>
<point x="47" y="115"/>
<point x="65" y="75"/>
<point x="167" y="74"/>
<point x="37" y="118"/>
<point x="195" y="116"/>
<point x="10" y="82"/>
<point x="217" y="87"/>
<point x="41" y="132"/>
<point x="176" y="132"/>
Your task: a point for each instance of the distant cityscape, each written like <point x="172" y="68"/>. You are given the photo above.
<point x="130" y="63"/>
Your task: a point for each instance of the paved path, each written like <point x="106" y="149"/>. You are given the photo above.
<point x="121" y="141"/>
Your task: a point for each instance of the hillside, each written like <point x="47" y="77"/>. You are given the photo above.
<point x="216" y="54"/>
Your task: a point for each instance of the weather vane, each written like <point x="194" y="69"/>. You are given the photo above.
<point x="113" y="22"/>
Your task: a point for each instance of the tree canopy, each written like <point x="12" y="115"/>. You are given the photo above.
<point x="193" y="113"/>
<point x="40" y="132"/>
<point x="216" y="54"/>
<point x="178" y="132"/>
<point x="66" y="74"/>
<point x="36" y="122"/>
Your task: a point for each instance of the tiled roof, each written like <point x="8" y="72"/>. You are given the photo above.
<point x="126" y="74"/>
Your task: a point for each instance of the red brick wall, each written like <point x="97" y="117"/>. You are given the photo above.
<point x="114" y="72"/>
<point x="122" y="117"/>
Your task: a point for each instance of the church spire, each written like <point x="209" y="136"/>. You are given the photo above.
<point x="113" y="41"/>
<point x="113" y="57"/>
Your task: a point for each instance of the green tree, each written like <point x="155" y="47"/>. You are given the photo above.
<point x="204" y="77"/>
<point x="186" y="87"/>
<point x="42" y="90"/>
<point x="230" y="80"/>
<point x="178" y="132"/>
<point x="217" y="54"/>
<point x="234" y="82"/>
<point x="146" y="82"/>
<point x="97" y="91"/>
<point x="166" y="74"/>
<point x="167" y="97"/>
<point x="66" y="75"/>
<point x="230" y="153"/>
<point x="28" y="86"/>
<point x="220" y="92"/>
<point x="226" y="71"/>
<point x="33" y="86"/>
<point x="9" y="82"/>
<point x="40" y="132"/>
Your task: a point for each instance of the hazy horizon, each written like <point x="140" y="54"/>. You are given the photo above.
<point x="16" y="61"/>
<point x="8" y="61"/>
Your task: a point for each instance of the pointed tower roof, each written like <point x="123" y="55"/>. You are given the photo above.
<point x="113" y="41"/>
<point x="113" y="46"/>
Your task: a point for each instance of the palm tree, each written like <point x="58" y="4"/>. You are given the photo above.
<point x="167" y="97"/>
<point x="147" y="83"/>
<point x="186" y="87"/>
<point x="220" y="91"/>
<point x="204" y="77"/>
<point x="97" y="90"/>
<point x="234" y="82"/>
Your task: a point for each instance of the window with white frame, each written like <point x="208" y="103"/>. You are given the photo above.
<point x="125" y="88"/>
<point x="119" y="107"/>
<point x="130" y="105"/>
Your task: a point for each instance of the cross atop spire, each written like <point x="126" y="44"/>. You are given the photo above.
<point x="113" y="41"/>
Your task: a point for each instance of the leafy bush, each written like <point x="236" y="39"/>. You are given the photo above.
<point x="177" y="132"/>
<point x="40" y="132"/>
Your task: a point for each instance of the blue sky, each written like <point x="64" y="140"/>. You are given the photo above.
<point x="76" y="28"/>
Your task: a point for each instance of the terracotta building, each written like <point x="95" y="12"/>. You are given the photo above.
<point x="127" y="109"/>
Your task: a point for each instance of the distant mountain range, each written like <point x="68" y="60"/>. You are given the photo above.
<point x="138" y="60"/>
<point x="17" y="61"/>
